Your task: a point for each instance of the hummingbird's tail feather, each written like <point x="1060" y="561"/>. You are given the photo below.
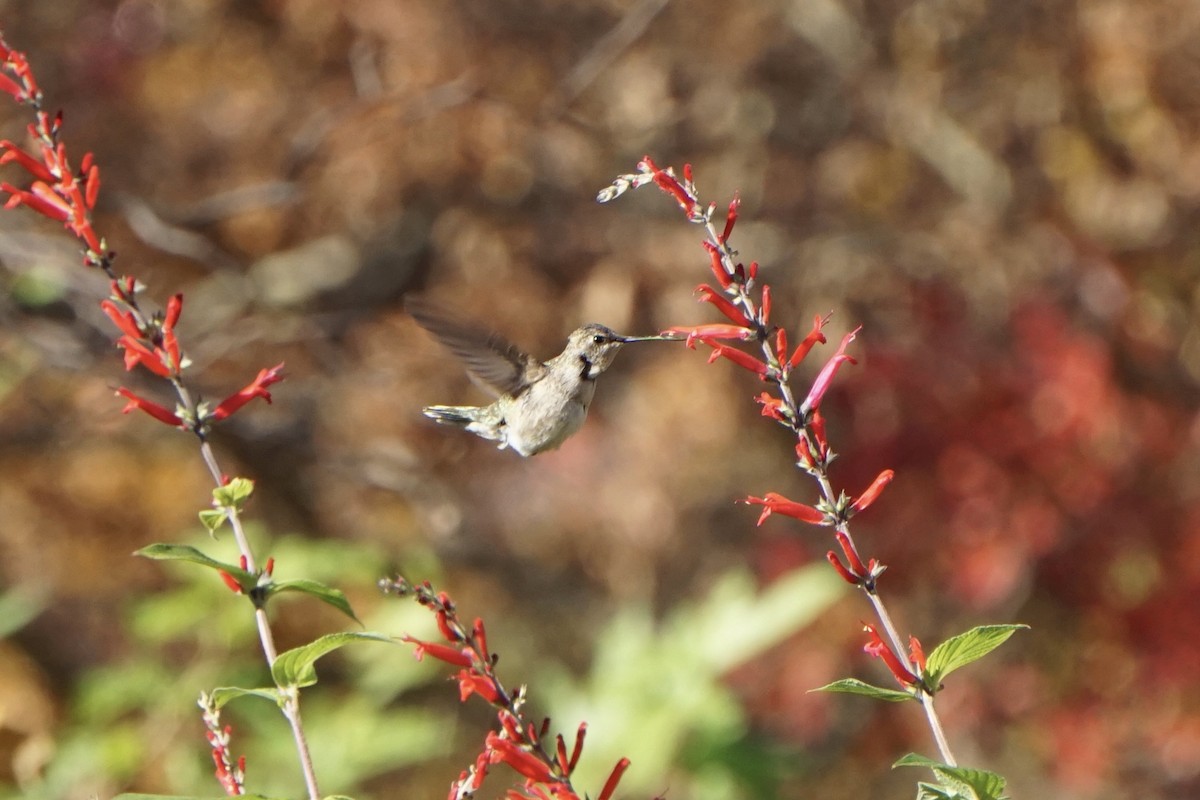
<point x="451" y="415"/>
<point x="487" y="422"/>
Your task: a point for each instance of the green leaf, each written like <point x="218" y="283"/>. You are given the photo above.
<point x="233" y="494"/>
<point x="958" y="651"/>
<point x="184" y="552"/>
<point x="223" y="694"/>
<point x="854" y="686"/>
<point x="955" y="782"/>
<point x="212" y="519"/>
<point x="227" y="500"/>
<point x="295" y="667"/>
<point x="325" y="594"/>
<point x="929" y="791"/>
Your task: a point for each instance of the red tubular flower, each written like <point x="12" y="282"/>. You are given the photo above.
<point x="54" y="209"/>
<point x="825" y="376"/>
<point x="873" y="491"/>
<point x="916" y="653"/>
<point x="814" y="336"/>
<point x="92" y="184"/>
<point x="848" y="576"/>
<point x="169" y="350"/>
<point x="519" y="759"/>
<point x="817" y="425"/>
<point x="731" y="217"/>
<point x="124" y="287"/>
<point x="852" y="557"/>
<point x="124" y="320"/>
<point x="878" y="648"/>
<point x="439" y="651"/>
<point x="716" y="330"/>
<point x="153" y="409"/>
<point x="614" y="778"/>
<point x="671" y="185"/>
<point x="560" y="754"/>
<point x="772" y="407"/>
<point x="511" y="726"/>
<point x="473" y="683"/>
<point x="718" y="265"/>
<point x="82" y="228"/>
<point x="735" y="314"/>
<point x="781" y="347"/>
<point x="137" y="353"/>
<point x="480" y="635"/>
<point x="230" y="581"/>
<point x="444" y="626"/>
<point x="174" y="309"/>
<point x="35" y="168"/>
<point x="738" y="357"/>
<point x="804" y="457"/>
<point x="774" y="503"/>
<point x="257" y="388"/>
<point x="764" y="311"/>
<point x="578" y="749"/>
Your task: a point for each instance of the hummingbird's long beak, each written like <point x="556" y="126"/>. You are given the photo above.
<point x="628" y="339"/>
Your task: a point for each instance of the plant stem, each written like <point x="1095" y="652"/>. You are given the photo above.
<point x="291" y="706"/>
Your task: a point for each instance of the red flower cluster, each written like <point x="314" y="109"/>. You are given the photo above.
<point x="68" y="196"/>
<point x="57" y="191"/>
<point x="518" y="742"/>
<point x="258" y="579"/>
<point x="749" y="320"/>
<point x="230" y="774"/>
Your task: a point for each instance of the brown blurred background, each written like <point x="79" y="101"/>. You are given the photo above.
<point x="1004" y="194"/>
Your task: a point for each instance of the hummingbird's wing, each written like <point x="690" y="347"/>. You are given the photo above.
<point x="500" y="366"/>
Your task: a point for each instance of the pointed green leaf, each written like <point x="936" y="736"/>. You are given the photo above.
<point x="212" y="519"/>
<point x="956" y="782"/>
<point x="325" y="594"/>
<point x="295" y="667"/>
<point x="183" y="552"/>
<point x="958" y="651"/>
<point x="223" y="694"/>
<point x="853" y="686"/>
<point x="929" y="791"/>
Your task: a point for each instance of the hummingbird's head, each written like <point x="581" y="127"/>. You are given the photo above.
<point x="596" y="346"/>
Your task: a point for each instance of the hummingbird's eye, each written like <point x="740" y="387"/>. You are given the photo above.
<point x="599" y="338"/>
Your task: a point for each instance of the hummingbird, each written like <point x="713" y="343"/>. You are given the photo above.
<point x="538" y="404"/>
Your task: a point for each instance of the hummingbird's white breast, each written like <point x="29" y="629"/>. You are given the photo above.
<point x="548" y="413"/>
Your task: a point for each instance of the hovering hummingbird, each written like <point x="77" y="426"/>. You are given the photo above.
<point x="538" y="404"/>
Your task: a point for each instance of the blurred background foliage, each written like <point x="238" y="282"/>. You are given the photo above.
<point x="1004" y="194"/>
